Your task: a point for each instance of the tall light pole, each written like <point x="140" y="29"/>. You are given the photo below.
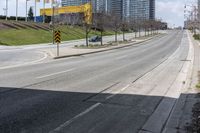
<point x="6" y="10"/>
<point x="26" y="9"/>
<point x="16" y="10"/>
<point x="35" y="10"/>
<point x="44" y="11"/>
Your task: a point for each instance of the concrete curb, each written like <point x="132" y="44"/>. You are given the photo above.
<point x="104" y="50"/>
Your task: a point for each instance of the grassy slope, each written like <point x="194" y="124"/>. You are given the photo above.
<point x="31" y="36"/>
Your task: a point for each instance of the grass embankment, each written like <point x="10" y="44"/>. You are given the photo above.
<point x="15" y="37"/>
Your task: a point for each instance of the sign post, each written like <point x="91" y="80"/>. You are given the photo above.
<point x="57" y="39"/>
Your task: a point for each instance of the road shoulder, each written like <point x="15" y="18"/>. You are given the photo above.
<point x="182" y="117"/>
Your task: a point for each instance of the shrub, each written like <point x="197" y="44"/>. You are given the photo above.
<point x="196" y="36"/>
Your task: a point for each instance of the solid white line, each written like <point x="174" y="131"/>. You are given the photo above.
<point x="53" y="74"/>
<point x="74" y="118"/>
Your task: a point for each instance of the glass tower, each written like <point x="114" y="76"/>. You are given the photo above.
<point x="139" y="9"/>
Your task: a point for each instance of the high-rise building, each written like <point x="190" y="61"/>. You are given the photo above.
<point x="139" y="9"/>
<point x="152" y="9"/>
<point x="70" y="2"/>
<point x="125" y="9"/>
<point x="116" y="8"/>
<point x="73" y="2"/>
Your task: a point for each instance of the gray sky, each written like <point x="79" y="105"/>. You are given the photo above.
<point x="170" y="11"/>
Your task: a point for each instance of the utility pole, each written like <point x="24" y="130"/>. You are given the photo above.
<point x="16" y="10"/>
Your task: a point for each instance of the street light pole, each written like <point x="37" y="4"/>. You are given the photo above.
<point x="26" y="9"/>
<point x="6" y="9"/>
<point x="35" y="10"/>
<point x="16" y="10"/>
<point x="44" y="11"/>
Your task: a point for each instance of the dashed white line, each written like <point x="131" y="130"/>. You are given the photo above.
<point x="117" y="92"/>
<point x="74" y="118"/>
<point x="62" y="126"/>
<point x="53" y="74"/>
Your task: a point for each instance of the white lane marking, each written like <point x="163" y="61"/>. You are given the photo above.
<point x="27" y="63"/>
<point x="74" y="118"/>
<point x="53" y="74"/>
<point x="117" y="92"/>
<point x="62" y="126"/>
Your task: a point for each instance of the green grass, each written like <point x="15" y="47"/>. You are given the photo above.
<point x="14" y="37"/>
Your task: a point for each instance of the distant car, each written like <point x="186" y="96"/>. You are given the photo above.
<point x="95" y="39"/>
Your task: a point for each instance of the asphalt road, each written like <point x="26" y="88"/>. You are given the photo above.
<point x="92" y="93"/>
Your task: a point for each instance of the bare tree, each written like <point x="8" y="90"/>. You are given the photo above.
<point x="133" y="26"/>
<point x="124" y="27"/>
<point x="115" y="24"/>
<point x="87" y="31"/>
<point x="99" y="23"/>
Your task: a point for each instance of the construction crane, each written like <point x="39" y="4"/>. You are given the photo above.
<point x="86" y="9"/>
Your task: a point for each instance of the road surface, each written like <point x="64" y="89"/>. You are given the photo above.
<point x="116" y="91"/>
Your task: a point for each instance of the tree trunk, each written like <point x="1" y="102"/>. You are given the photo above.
<point x="135" y="34"/>
<point x="139" y="32"/>
<point x="115" y="36"/>
<point x="86" y="35"/>
<point x="123" y="36"/>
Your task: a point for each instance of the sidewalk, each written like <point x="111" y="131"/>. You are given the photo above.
<point x="72" y="51"/>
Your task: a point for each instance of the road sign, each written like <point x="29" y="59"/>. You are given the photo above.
<point x="57" y="39"/>
<point x="57" y="36"/>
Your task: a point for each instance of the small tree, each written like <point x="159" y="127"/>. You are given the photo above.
<point x="87" y="31"/>
<point x="30" y="14"/>
<point x="124" y="28"/>
<point x="133" y="26"/>
<point x="115" y="24"/>
<point x="100" y="23"/>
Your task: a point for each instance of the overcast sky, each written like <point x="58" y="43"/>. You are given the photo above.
<point x="170" y="11"/>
